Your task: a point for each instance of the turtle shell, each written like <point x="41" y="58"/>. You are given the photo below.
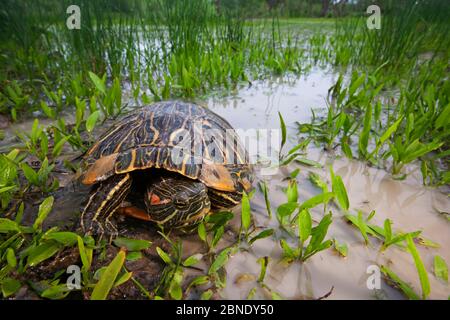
<point x="176" y="136"/>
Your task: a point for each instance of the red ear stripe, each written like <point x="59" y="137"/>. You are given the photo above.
<point x="154" y="199"/>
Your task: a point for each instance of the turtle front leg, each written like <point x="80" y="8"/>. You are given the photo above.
<point x="103" y="202"/>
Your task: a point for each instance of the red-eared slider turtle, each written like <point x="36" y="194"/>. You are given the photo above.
<point x="183" y="159"/>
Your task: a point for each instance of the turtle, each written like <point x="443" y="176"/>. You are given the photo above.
<point x="170" y="162"/>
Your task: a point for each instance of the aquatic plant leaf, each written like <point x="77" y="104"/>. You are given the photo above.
<point x="304" y="225"/>
<point x="341" y="248"/>
<point x="440" y="268"/>
<point x="11" y="257"/>
<point x="44" y="209"/>
<point x="423" y="276"/>
<point x="132" y="244"/>
<point x="99" y="83"/>
<point x="404" y="287"/>
<point x="66" y="238"/>
<point x="283" y="131"/>
<point x="265" y="190"/>
<point x="92" y="120"/>
<point x="316" y="200"/>
<point x="263" y="261"/>
<point x="245" y="212"/>
<point x="220" y="261"/>
<point x="198" y="281"/>
<point x="7" y="225"/>
<point x="41" y="253"/>
<point x="85" y="254"/>
<point x="308" y="162"/>
<point x="263" y="234"/>
<point x="108" y="278"/>
<point x="192" y="260"/>
<point x="339" y="190"/>
<point x="10" y="286"/>
<point x="291" y="191"/>
<point x="57" y="292"/>
<point x="164" y="256"/>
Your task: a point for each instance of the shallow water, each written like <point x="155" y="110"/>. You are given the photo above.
<point x="407" y="203"/>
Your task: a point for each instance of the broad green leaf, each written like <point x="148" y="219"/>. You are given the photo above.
<point x="10" y="286"/>
<point x="202" y="231"/>
<point x="220" y="261"/>
<point x="391" y="130"/>
<point x="11" y="257"/>
<point x="99" y="83"/>
<point x="42" y="252"/>
<point x="339" y="190"/>
<point x="198" y="281"/>
<point x="263" y="234"/>
<point x="406" y="288"/>
<point x="121" y="279"/>
<point x="283" y="131"/>
<point x="175" y="291"/>
<point x="341" y="248"/>
<point x="443" y="119"/>
<point x="30" y="174"/>
<point x="44" y="209"/>
<point x="319" y="232"/>
<point x="6" y="189"/>
<point x="108" y="278"/>
<point x="286" y="210"/>
<point x="308" y="162"/>
<point x="288" y="252"/>
<point x="47" y="110"/>
<point x="193" y="260"/>
<point x="316" y="200"/>
<point x="316" y="180"/>
<point x="164" y="256"/>
<point x="64" y="237"/>
<point x="423" y="276"/>
<point x="133" y="256"/>
<point x="58" y="147"/>
<point x="56" y="292"/>
<point x="304" y="225"/>
<point x="245" y="212"/>
<point x="291" y="191"/>
<point x="365" y="133"/>
<point x="440" y="268"/>
<point x="356" y="84"/>
<point x="206" y="295"/>
<point x="132" y="244"/>
<point x="92" y="120"/>
<point x="85" y="255"/>
<point x="7" y="225"/>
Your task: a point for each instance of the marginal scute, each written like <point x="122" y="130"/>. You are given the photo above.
<point x="102" y="169"/>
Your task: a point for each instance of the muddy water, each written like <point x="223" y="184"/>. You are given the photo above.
<point x="407" y="203"/>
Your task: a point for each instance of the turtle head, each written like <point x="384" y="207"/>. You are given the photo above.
<point x="177" y="201"/>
